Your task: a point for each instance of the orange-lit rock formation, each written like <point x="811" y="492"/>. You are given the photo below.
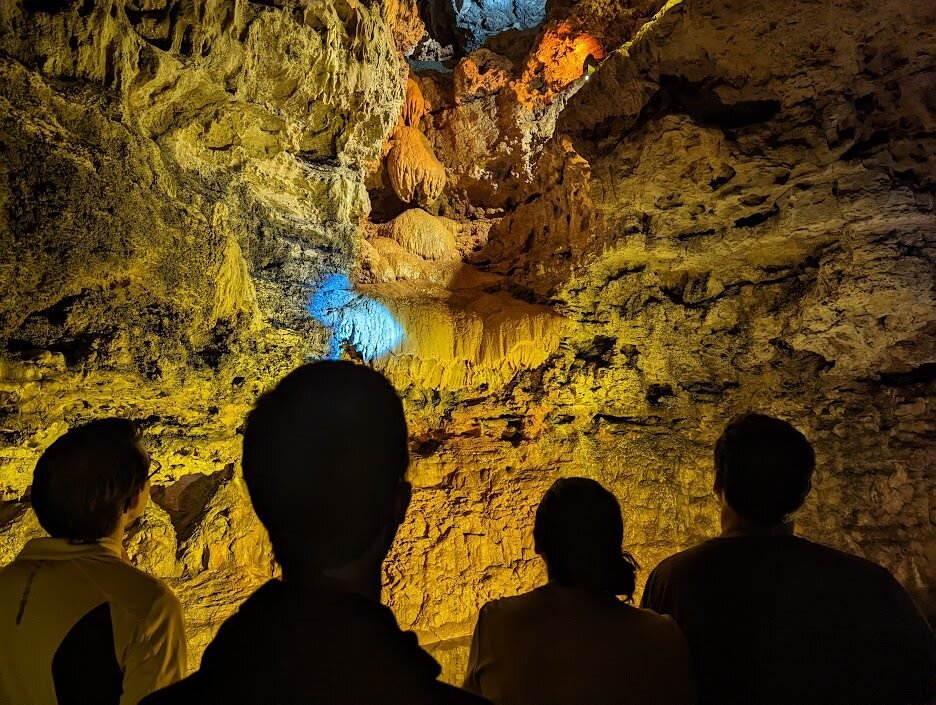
<point x="734" y="212"/>
<point x="415" y="173"/>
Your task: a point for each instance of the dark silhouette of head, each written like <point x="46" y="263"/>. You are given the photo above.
<point x="88" y="478"/>
<point x="578" y="532"/>
<point x="764" y="468"/>
<point x="325" y="455"/>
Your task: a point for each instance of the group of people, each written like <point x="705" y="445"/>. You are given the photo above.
<point x="755" y="616"/>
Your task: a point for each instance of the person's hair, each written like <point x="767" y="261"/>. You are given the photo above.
<point x="87" y="478"/>
<point x="578" y="531"/>
<point x="764" y="467"/>
<point x="324" y="454"/>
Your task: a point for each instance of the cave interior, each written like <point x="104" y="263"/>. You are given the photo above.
<point x="577" y="236"/>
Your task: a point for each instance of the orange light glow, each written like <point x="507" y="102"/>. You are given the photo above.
<point x="560" y="57"/>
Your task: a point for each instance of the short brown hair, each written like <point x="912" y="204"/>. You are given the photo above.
<point x="86" y="479"/>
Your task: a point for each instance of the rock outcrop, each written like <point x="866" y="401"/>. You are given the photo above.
<point x="176" y="179"/>
<point x="423" y="235"/>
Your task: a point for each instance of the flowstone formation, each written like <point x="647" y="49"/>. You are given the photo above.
<point x="576" y="250"/>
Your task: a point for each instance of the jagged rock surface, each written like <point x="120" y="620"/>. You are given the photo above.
<point x="176" y="179"/>
<point x="736" y="213"/>
<point x="424" y="235"/>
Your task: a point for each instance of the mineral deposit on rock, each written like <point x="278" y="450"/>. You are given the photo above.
<point x="415" y="173"/>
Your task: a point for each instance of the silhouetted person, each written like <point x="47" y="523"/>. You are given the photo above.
<point x="572" y="640"/>
<point x="325" y="458"/>
<point x="773" y="618"/>
<point x="78" y="623"/>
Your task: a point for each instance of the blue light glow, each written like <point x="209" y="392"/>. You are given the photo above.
<point x="353" y="319"/>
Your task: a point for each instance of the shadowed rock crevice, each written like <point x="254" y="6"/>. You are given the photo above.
<point x="185" y="500"/>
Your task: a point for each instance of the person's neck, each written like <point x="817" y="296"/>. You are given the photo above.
<point x="733" y="524"/>
<point x="117" y="535"/>
<point x="353" y="578"/>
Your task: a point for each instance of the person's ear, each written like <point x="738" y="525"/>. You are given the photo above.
<point x="136" y="505"/>
<point x="806" y="490"/>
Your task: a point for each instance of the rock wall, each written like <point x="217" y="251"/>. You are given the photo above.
<point x="177" y="179"/>
<point x="735" y="211"/>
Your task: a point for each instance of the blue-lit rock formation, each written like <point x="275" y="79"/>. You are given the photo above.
<point x="354" y="321"/>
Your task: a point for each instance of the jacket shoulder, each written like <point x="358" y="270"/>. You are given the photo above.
<point x="140" y="595"/>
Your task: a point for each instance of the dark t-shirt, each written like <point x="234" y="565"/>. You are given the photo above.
<point x="308" y="645"/>
<point x="779" y="619"/>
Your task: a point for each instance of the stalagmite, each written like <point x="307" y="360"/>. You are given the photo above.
<point x="422" y="234"/>
<point x="414" y="104"/>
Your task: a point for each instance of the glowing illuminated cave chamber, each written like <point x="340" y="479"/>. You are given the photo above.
<point x="561" y="277"/>
<point x="354" y="320"/>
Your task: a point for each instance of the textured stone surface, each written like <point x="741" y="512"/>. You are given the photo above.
<point x="415" y="173"/>
<point x="735" y="212"/>
<point x="176" y="180"/>
<point x="423" y="235"/>
<point x="481" y="19"/>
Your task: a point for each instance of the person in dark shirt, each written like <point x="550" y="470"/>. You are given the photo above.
<point x="772" y="618"/>
<point x="325" y="456"/>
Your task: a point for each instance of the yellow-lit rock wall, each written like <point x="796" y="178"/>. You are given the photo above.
<point x="734" y="212"/>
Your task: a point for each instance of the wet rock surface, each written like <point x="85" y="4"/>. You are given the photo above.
<point x="734" y="211"/>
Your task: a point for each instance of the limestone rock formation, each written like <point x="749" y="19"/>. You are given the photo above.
<point x="152" y="543"/>
<point x="423" y="235"/>
<point x="175" y="178"/>
<point x="480" y="19"/>
<point x="764" y="188"/>
<point x="734" y="211"/>
<point x="463" y="339"/>
<point x="481" y="73"/>
<point x="405" y="22"/>
<point x="415" y="173"/>
<point x="415" y="105"/>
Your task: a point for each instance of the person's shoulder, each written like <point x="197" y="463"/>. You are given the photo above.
<point x="507" y="605"/>
<point x="140" y="594"/>
<point x="188" y="691"/>
<point x="445" y="694"/>
<point x="848" y="565"/>
<point x="689" y="557"/>
<point x="12" y="569"/>
<point x="648" y="621"/>
<point x="527" y="605"/>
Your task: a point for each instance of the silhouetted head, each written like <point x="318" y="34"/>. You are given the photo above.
<point x="764" y="468"/>
<point x="89" y="478"/>
<point x="325" y="454"/>
<point x="578" y="532"/>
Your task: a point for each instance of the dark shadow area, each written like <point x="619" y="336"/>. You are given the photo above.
<point x="185" y="500"/>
